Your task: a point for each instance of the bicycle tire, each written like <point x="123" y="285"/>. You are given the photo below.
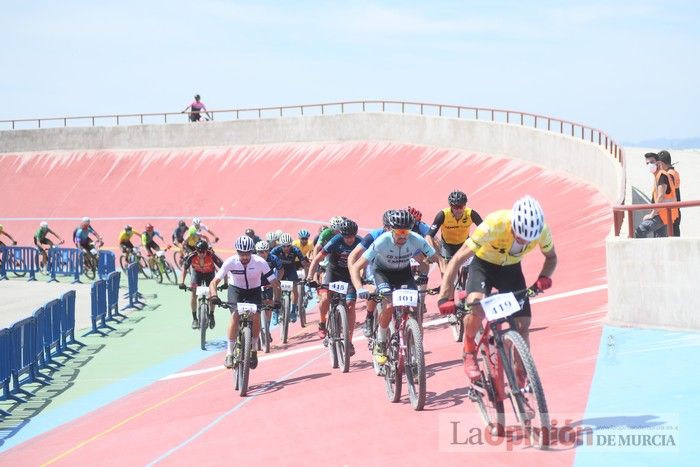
<point x="143" y="266"/>
<point x="124" y="262"/>
<point x="303" y="303"/>
<point x="89" y="269"/>
<point x="492" y="410"/>
<point x="375" y="325"/>
<point x="244" y="364"/>
<point x="169" y="272"/>
<point x="157" y="272"/>
<point x="527" y="408"/>
<point x="458" y="330"/>
<point x="18" y="264"/>
<point x="331" y="333"/>
<point x="284" y="328"/>
<point x="343" y="341"/>
<point x="177" y="259"/>
<point x="264" y="330"/>
<point x="415" y="364"/>
<point x="203" y="318"/>
<point x="392" y="371"/>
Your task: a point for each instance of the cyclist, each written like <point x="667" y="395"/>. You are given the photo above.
<point x="40" y="238"/>
<point x="338" y="249"/>
<point x="262" y="249"/>
<point x="391" y="253"/>
<point x="323" y="238"/>
<point x="178" y="235"/>
<point x="245" y="271"/>
<point x="251" y="234"/>
<point x="303" y="244"/>
<point x="271" y="239"/>
<point x="196" y="108"/>
<point x="81" y="236"/>
<point x="204" y="263"/>
<point x="147" y="240"/>
<point x="289" y="255"/>
<point x="3" y="232"/>
<point x="498" y="246"/>
<point x="453" y="223"/>
<point x="194" y="234"/>
<point x="367" y="240"/>
<point x="125" y="239"/>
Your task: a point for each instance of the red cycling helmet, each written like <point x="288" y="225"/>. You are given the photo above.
<point x="417" y="215"/>
<point x="149" y="228"/>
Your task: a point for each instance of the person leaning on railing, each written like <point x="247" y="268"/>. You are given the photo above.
<point x="655" y="223"/>
<point x="665" y="157"/>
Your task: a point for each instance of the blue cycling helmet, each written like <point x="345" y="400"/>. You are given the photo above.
<point x="303" y="233"/>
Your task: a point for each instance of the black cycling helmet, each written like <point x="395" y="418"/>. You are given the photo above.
<point x="181" y="223"/>
<point x="457" y="198"/>
<point x="348" y="228"/>
<point x="196" y="96"/>
<point x="250" y="232"/>
<point x="202" y="246"/>
<point x="386" y="218"/>
<point x="401" y="220"/>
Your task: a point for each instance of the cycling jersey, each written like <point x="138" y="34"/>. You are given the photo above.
<point x="371" y="237"/>
<point x="389" y="256"/>
<point x="421" y="228"/>
<point x="80" y="235"/>
<point x="126" y="237"/>
<point x="325" y="236"/>
<point x="147" y="237"/>
<point x="338" y="251"/>
<point x="305" y="249"/>
<point x="275" y="264"/>
<point x="454" y="231"/>
<point x="288" y="259"/>
<point x="40" y="235"/>
<point x="193" y="234"/>
<point x="202" y="265"/>
<point x="179" y="234"/>
<point x="493" y="240"/>
<point x="246" y="276"/>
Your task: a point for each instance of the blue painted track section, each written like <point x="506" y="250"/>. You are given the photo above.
<point x="648" y="378"/>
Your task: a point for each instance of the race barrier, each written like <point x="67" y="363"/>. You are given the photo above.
<point x="65" y="262"/>
<point x="106" y="264"/>
<point x="23" y="354"/>
<point x="49" y="332"/>
<point x="98" y="313"/>
<point x="19" y="260"/>
<point x="68" y="320"/>
<point x="113" y="296"/>
<point x="5" y="367"/>
<point x="132" y="279"/>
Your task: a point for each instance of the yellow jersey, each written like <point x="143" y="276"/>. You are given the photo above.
<point x="125" y="237"/>
<point x="493" y="239"/>
<point x="305" y="250"/>
<point x="454" y="231"/>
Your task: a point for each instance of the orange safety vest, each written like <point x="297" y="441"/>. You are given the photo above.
<point x="666" y="198"/>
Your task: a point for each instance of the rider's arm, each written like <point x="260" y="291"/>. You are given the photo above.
<point x="550" y="263"/>
<point x="356" y="272"/>
<point x="7" y="235"/>
<point x="56" y="235"/>
<point x="276" y="290"/>
<point x="157" y="234"/>
<point x="355" y="254"/>
<point x="448" y="280"/>
<point x="437" y="223"/>
<point x="318" y="257"/>
<point x="476" y="218"/>
<point x="185" y="266"/>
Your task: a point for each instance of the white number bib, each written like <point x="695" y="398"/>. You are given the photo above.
<point x="301" y="275"/>
<point x="203" y="291"/>
<point x="404" y="297"/>
<point x="287" y="286"/>
<point x="339" y="286"/>
<point x="160" y="253"/>
<point x="499" y="306"/>
<point x="246" y="308"/>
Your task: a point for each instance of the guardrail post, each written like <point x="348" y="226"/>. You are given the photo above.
<point x="98" y="300"/>
<point x="3" y="260"/>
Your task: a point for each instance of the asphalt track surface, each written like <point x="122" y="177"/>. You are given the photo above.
<point x="300" y="410"/>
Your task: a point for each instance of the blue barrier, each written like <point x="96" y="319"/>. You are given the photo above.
<point x="43" y="327"/>
<point x="65" y="262"/>
<point x="5" y="366"/>
<point x="132" y="279"/>
<point x="98" y="298"/>
<point x="113" y="296"/>
<point x="106" y="264"/>
<point x="19" y="260"/>
<point x="23" y="335"/>
<point x="52" y="330"/>
<point x="68" y="320"/>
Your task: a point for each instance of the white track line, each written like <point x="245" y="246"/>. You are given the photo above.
<point x="426" y="324"/>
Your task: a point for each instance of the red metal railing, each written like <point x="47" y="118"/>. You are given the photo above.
<point x="619" y="214"/>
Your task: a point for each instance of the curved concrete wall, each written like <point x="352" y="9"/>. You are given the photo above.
<point x="573" y="156"/>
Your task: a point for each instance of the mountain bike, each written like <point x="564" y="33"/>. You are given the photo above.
<point x="339" y="333"/>
<point x="90" y="260"/>
<point x="405" y="347"/>
<point x="508" y="370"/>
<point x="162" y="268"/>
<point x="303" y="297"/>
<point x="285" y="310"/>
<point x="202" y="292"/>
<point x="460" y="289"/>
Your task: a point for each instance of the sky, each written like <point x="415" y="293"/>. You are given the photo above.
<point x="630" y="68"/>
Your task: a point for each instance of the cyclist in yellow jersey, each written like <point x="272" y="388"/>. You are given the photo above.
<point x="303" y="243"/>
<point x="194" y="234"/>
<point x="498" y="245"/>
<point x="125" y="238"/>
<point x="454" y="223"/>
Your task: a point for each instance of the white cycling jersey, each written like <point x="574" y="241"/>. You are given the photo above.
<point x="245" y="276"/>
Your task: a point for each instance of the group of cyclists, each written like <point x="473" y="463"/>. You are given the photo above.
<point x="381" y="261"/>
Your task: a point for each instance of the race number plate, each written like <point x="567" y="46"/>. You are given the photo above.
<point x="160" y="253"/>
<point x="500" y="306"/>
<point x="339" y="286"/>
<point x="404" y="297"/>
<point x="287" y="286"/>
<point x="203" y="291"/>
<point x="301" y="275"/>
<point x="413" y="263"/>
<point x="246" y="308"/>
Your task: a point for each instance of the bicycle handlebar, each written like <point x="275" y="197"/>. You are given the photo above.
<point x="528" y="292"/>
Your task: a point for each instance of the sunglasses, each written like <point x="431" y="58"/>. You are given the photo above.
<point x="401" y="231"/>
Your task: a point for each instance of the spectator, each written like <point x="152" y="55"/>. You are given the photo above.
<point x="665" y="157"/>
<point x="655" y="223"/>
<point x="196" y="108"/>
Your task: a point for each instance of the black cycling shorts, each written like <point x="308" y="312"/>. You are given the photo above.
<point x="484" y="276"/>
<point x="448" y="250"/>
<point x="335" y="275"/>
<point x="236" y="295"/>
<point x="388" y="280"/>
<point x="201" y="278"/>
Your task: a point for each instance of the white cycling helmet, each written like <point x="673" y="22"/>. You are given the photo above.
<point x="527" y="218"/>
<point x="279" y="233"/>
<point x="86" y="220"/>
<point x="286" y="239"/>
<point x="336" y="222"/>
<point x="44" y="225"/>
<point x="271" y="236"/>
<point x="244" y="244"/>
<point x="262" y="246"/>
<point x="196" y="221"/>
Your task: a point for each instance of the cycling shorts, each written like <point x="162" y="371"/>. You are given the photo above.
<point x="484" y="276"/>
<point x="236" y="295"/>
<point x="448" y="250"/>
<point x="334" y="275"/>
<point x="387" y="280"/>
<point x="201" y="278"/>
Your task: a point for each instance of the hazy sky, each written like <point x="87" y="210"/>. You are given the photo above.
<point x="631" y="68"/>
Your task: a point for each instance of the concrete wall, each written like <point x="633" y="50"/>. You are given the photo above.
<point x="578" y="158"/>
<point x="654" y="282"/>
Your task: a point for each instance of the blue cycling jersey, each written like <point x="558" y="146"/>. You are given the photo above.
<point x="275" y="265"/>
<point x="371" y="237"/>
<point x="339" y="251"/>
<point x="81" y="235"/>
<point x="389" y="256"/>
<point x="288" y="260"/>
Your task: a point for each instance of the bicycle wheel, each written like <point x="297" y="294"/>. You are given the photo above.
<point x="18" y="264"/>
<point x="415" y="364"/>
<point x="342" y="343"/>
<point x="375" y="325"/>
<point x="302" y="304"/>
<point x="157" y="272"/>
<point x="392" y="370"/>
<point x="124" y="262"/>
<point x="177" y="259"/>
<point x="284" y="328"/>
<point x="169" y="272"/>
<point x="144" y="269"/>
<point x="490" y="408"/>
<point x="244" y="364"/>
<point x="457" y="329"/>
<point x="90" y="267"/>
<point x="264" y="331"/>
<point x="527" y="395"/>
<point x="331" y="335"/>
<point x="203" y="318"/>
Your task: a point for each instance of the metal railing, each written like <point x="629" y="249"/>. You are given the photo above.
<point x="619" y="214"/>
